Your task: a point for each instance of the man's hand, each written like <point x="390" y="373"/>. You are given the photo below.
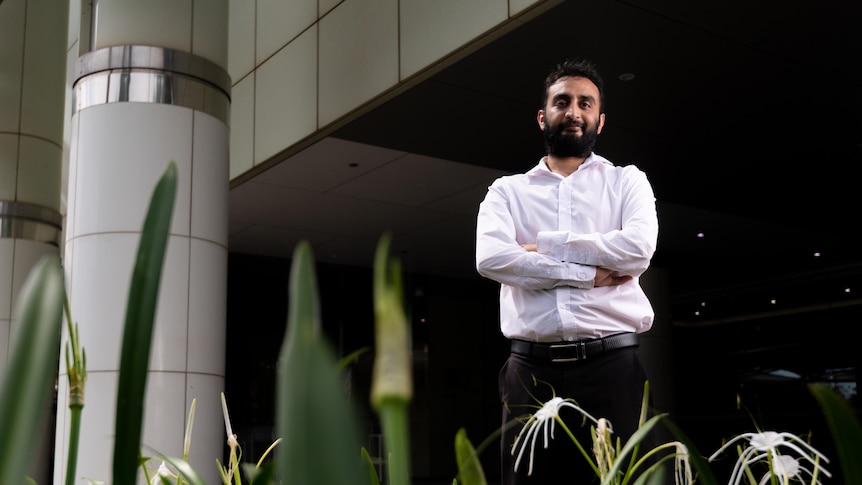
<point x="606" y="277"/>
<point x="529" y="247"/>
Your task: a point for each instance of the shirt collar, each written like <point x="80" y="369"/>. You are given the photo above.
<point x="593" y="158"/>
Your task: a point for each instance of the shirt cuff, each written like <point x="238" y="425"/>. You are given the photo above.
<point x="552" y="243"/>
<point x="581" y="275"/>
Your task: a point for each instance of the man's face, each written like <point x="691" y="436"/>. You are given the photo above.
<point x="571" y="121"/>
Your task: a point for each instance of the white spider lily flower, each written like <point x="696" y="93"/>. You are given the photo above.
<point x="544" y="419"/>
<point x="163" y="471"/>
<point x="682" y="465"/>
<point x="765" y="447"/>
<point x="603" y="447"/>
<point x="785" y="467"/>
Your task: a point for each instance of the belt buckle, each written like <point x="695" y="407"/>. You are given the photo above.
<point x="568" y="352"/>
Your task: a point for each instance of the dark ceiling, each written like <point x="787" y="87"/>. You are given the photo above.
<point x="745" y="115"/>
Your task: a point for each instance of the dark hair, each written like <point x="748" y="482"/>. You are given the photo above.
<point x="575" y="68"/>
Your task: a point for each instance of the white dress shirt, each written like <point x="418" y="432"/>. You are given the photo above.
<point x="599" y="216"/>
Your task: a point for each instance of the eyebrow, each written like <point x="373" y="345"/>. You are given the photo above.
<point x="566" y="96"/>
<point x="587" y="97"/>
<point x="560" y="96"/>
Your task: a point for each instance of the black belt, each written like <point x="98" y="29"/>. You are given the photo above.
<point x="572" y="351"/>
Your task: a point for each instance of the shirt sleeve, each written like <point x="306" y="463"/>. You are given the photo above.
<point x="500" y="257"/>
<point x="628" y="249"/>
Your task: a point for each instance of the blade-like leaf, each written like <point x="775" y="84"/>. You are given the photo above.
<point x="260" y="475"/>
<point x="655" y="478"/>
<point x="845" y="428"/>
<point x="698" y="462"/>
<point x="372" y="470"/>
<point x="138" y="330"/>
<point x="267" y="451"/>
<point x="321" y="442"/>
<point x="470" y="470"/>
<point x="32" y="368"/>
<point x="352" y="357"/>
<point x="185" y="470"/>
<point x="630" y="445"/>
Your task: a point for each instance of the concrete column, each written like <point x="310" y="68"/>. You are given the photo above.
<point x="143" y="97"/>
<point x="32" y="74"/>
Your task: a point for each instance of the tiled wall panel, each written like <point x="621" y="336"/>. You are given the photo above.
<point x="358" y="55"/>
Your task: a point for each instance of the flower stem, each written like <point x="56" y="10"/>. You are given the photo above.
<point x="579" y="446"/>
<point x="392" y="382"/>
<point x="393" y="420"/>
<point x="74" y="433"/>
<point x="76" y="370"/>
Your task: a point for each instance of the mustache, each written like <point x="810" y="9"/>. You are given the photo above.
<point x="571" y="123"/>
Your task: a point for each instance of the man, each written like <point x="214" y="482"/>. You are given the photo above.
<point x="567" y="242"/>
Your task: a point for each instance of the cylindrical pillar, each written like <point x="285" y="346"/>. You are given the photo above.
<point x="136" y="108"/>
<point x="32" y="90"/>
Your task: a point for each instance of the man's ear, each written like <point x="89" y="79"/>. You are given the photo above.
<point x="601" y="123"/>
<point x="540" y="118"/>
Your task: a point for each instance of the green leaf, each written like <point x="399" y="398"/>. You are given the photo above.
<point x="260" y="475"/>
<point x="698" y="463"/>
<point x="185" y="470"/>
<point x="138" y="330"/>
<point x="372" y="470"/>
<point x="634" y="441"/>
<point x="470" y="470"/>
<point x="352" y="357"/>
<point x="267" y="451"/>
<point x="32" y="369"/>
<point x="845" y="428"/>
<point x="321" y="440"/>
<point x="654" y="478"/>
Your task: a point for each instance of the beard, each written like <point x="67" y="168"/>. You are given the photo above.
<point x="561" y="144"/>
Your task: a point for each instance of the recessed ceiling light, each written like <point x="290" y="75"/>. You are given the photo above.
<point x="627" y="76"/>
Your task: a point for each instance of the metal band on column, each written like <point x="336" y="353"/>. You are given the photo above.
<point x="145" y="74"/>
<point x="20" y="220"/>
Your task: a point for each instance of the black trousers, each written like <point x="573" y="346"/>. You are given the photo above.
<point x="609" y="386"/>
